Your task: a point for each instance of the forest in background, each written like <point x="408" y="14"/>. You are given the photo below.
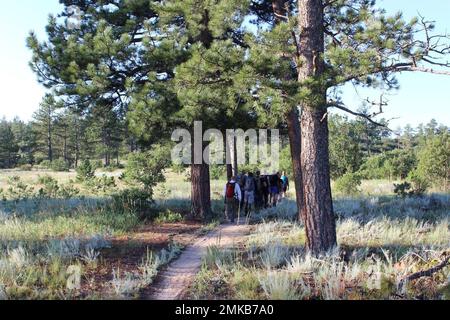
<point x="61" y="140"/>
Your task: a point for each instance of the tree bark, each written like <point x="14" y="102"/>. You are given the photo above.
<point x="317" y="210"/>
<point x="200" y="176"/>
<point x="49" y="140"/>
<point x="200" y="186"/>
<point x="200" y="192"/>
<point x="295" y="137"/>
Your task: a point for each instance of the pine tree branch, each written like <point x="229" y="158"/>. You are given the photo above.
<point x="341" y="106"/>
<point x="426" y="70"/>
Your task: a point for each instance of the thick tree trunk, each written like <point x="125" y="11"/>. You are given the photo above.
<point x="317" y="210"/>
<point x="200" y="176"/>
<point x="295" y="138"/>
<point x="200" y="192"/>
<point x="200" y="183"/>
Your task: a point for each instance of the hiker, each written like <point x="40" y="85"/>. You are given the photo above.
<point x="275" y="188"/>
<point x="285" y="185"/>
<point x="259" y="204"/>
<point x="241" y="181"/>
<point x="233" y="197"/>
<point x="249" y="193"/>
<point x="265" y="190"/>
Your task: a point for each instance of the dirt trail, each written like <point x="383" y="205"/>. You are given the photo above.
<point x="172" y="283"/>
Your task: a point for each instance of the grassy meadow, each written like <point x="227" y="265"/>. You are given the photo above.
<point x="49" y="242"/>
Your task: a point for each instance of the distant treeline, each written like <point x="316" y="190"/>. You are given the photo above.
<point x="61" y="138"/>
<point x="360" y="148"/>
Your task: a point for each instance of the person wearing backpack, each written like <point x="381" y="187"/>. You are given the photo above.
<point x="285" y="183"/>
<point x="241" y="180"/>
<point x="275" y="188"/>
<point x="233" y="197"/>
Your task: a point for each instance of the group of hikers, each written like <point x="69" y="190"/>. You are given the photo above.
<point x="247" y="192"/>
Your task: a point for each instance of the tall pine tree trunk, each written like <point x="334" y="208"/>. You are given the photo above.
<point x="49" y="142"/>
<point x="317" y="210"/>
<point x="200" y="185"/>
<point x="280" y="9"/>
<point x="200" y="192"/>
<point x="200" y="176"/>
<point x="295" y="137"/>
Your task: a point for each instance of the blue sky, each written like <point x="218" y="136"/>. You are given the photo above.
<point x="420" y="98"/>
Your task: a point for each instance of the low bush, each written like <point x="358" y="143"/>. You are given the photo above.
<point x="349" y="184"/>
<point x="132" y="200"/>
<point x="26" y="167"/>
<point x="85" y="171"/>
<point x="169" y="217"/>
<point x="104" y="184"/>
<point x="218" y="172"/>
<point x="59" y="165"/>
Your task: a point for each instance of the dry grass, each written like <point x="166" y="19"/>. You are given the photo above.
<point x="381" y="241"/>
<point x="381" y="238"/>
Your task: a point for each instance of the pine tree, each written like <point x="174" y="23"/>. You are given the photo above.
<point x="44" y="123"/>
<point x="434" y="160"/>
<point x="105" y="132"/>
<point x="345" y="147"/>
<point x="8" y="146"/>
<point x="324" y="45"/>
<point x="26" y="140"/>
<point x="209" y="82"/>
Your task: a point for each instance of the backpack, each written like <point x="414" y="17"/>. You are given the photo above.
<point x="230" y="190"/>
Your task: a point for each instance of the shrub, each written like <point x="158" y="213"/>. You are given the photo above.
<point x="97" y="164"/>
<point x="147" y="168"/>
<point x="169" y="217"/>
<point x="416" y="186"/>
<point x="218" y="172"/>
<point x="132" y="200"/>
<point x="59" y="165"/>
<point x="103" y="184"/>
<point x="26" y="167"/>
<point x="85" y="171"/>
<point x="45" y="164"/>
<point x="178" y="168"/>
<point x="402" y="189"/>
<point x="434" y="161"/>
<point x="349" y="183"/>
<point x="18" y="190"/>
<point x="389" y="165"/>
<point x="50" y="187"/>
<point x="68" y="191"/>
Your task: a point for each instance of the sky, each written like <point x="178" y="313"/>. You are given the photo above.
<point x="420" y="98"/>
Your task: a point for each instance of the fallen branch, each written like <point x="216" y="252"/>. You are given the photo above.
<point x="425" y="273"/>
